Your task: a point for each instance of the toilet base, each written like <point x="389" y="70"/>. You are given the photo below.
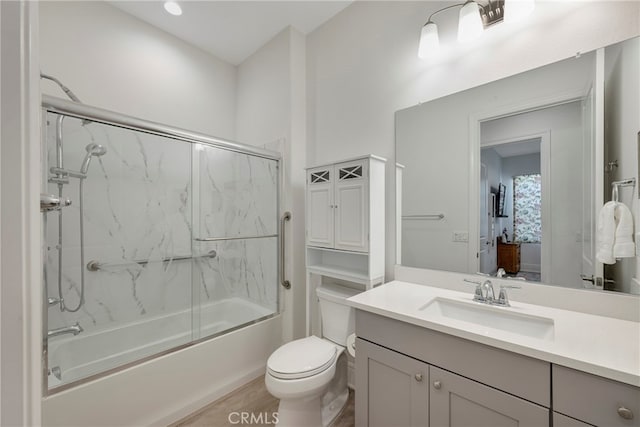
<point x="300" y="412"/>
<point x="311" y="412"/>
<point x="331" y="411"/>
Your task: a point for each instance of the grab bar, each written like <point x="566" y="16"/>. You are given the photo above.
<point x="285" y="217"/>
<point x="217" y="239"/>
<point x="97" y="266"/>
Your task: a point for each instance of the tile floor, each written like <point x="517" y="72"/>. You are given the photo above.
<point x="252" y="398"/>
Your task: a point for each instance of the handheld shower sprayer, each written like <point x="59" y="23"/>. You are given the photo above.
<point x="92" y="150"/>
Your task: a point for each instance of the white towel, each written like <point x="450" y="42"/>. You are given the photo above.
<point x="623" y="246"/>
<point x="606" y="233"/>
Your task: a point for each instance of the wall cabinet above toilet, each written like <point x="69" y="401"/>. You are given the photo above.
<point x="345" y="221"/>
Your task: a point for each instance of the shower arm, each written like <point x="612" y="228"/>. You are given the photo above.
<point x="65" y="89"/>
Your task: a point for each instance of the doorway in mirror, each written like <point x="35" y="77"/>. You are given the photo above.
<point x="530" y="166"/>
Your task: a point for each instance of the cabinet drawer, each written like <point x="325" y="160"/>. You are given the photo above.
<point x="560" y="420"/>
<point x="595" y="400"/>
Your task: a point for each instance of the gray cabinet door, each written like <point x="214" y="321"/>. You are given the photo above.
<point x="456" y="401"/>
<point x="392" y="388"/>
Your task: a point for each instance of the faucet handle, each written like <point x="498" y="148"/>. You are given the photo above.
<point x="477" y="294"/>
<point x="503" y="298"/>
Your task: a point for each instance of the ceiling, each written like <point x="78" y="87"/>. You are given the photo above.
<point x="233" y="30"/>
<point x="520" y="148"/>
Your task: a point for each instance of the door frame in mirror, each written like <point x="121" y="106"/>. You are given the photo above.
<point x="545" y="155"/>
<point x="475" y="121"/>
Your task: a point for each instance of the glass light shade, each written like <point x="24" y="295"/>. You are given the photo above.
<point x="429" y="41"/>
<point x="470" y="24"/>
<point x="173" y="8"/>
<point x="515" y="10"/>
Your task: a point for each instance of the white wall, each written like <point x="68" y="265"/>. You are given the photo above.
<point x="363" y="66"/>
<point x="622" y="123"/>
<point x="114" y="61"/>
<point x="270" y="105"/>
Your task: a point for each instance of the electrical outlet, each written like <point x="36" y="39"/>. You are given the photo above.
<point x="460" y="236"/>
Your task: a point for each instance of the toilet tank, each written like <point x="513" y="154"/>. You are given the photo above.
<point x="338" y="319"/>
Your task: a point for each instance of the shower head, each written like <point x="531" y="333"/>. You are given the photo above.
<point x="96" y="149"/>
<point x="92" y="150"/>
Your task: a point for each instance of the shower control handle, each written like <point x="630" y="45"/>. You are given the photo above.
<point x="49" y="202"/>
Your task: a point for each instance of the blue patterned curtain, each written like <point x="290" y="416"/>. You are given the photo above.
<point x="527" y="219"/>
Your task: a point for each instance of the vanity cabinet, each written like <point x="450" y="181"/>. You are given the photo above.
<point x="345" y="222"/>
<point x="403" y="391"/>
<point x="472" y="384"/>
<point x="467" y="384"/>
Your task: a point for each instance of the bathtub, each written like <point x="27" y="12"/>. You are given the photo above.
<point x="74" y="358"/>
<point x="165" y="388"/>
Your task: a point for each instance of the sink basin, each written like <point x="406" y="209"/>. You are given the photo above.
<point x="496" y="318"/>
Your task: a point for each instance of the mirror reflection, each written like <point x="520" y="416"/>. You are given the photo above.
<point x="508" y="178"/>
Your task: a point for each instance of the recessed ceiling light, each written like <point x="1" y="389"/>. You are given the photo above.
<point x="173" y="8"/>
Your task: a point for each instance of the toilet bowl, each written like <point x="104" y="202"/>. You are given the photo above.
<point x="309" y="375"/>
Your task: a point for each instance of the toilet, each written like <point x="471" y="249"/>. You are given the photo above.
<point x="309" y="375"/>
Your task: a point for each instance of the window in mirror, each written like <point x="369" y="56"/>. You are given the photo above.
<point x="527" y="217"/>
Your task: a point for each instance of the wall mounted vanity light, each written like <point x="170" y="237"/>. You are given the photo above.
<point x="173" y="8"/>
<point x="474" y="18"/>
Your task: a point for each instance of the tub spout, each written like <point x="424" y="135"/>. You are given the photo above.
<point x="73" y="329"/>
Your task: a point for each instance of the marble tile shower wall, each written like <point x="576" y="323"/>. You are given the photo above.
<point x="148" y="197"/>
<point x="237" y="197"/>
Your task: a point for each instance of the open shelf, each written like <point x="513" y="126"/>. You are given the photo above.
<point x="343" y="265"/>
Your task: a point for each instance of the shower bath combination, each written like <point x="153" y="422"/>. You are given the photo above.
<point x="155" y="268"/>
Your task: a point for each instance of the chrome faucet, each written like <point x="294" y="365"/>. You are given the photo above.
<point x="485" y="293"/>
<point x="501" y="273"/>
<point x="73" y="329"/>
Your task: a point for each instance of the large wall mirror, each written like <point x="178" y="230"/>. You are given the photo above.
<point x="510" y="176"/>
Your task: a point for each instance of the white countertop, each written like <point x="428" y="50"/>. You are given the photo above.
<point x="598" y="345"/>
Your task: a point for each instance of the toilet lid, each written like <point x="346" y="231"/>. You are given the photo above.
<point x="302" y="358"/>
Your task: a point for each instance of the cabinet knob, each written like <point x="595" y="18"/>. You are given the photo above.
<point x="437" y="385"/>
<point x="418" y="377"/>
<point x="625" y="413"/>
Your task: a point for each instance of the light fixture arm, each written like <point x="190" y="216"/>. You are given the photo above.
<point x="452" y="6"/>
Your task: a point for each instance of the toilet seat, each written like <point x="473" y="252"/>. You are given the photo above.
<point x="302" y="358"/>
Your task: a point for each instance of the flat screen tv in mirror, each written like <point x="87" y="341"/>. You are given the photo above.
<point x="546" y="124"/>
<point x="502" y="193"/>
